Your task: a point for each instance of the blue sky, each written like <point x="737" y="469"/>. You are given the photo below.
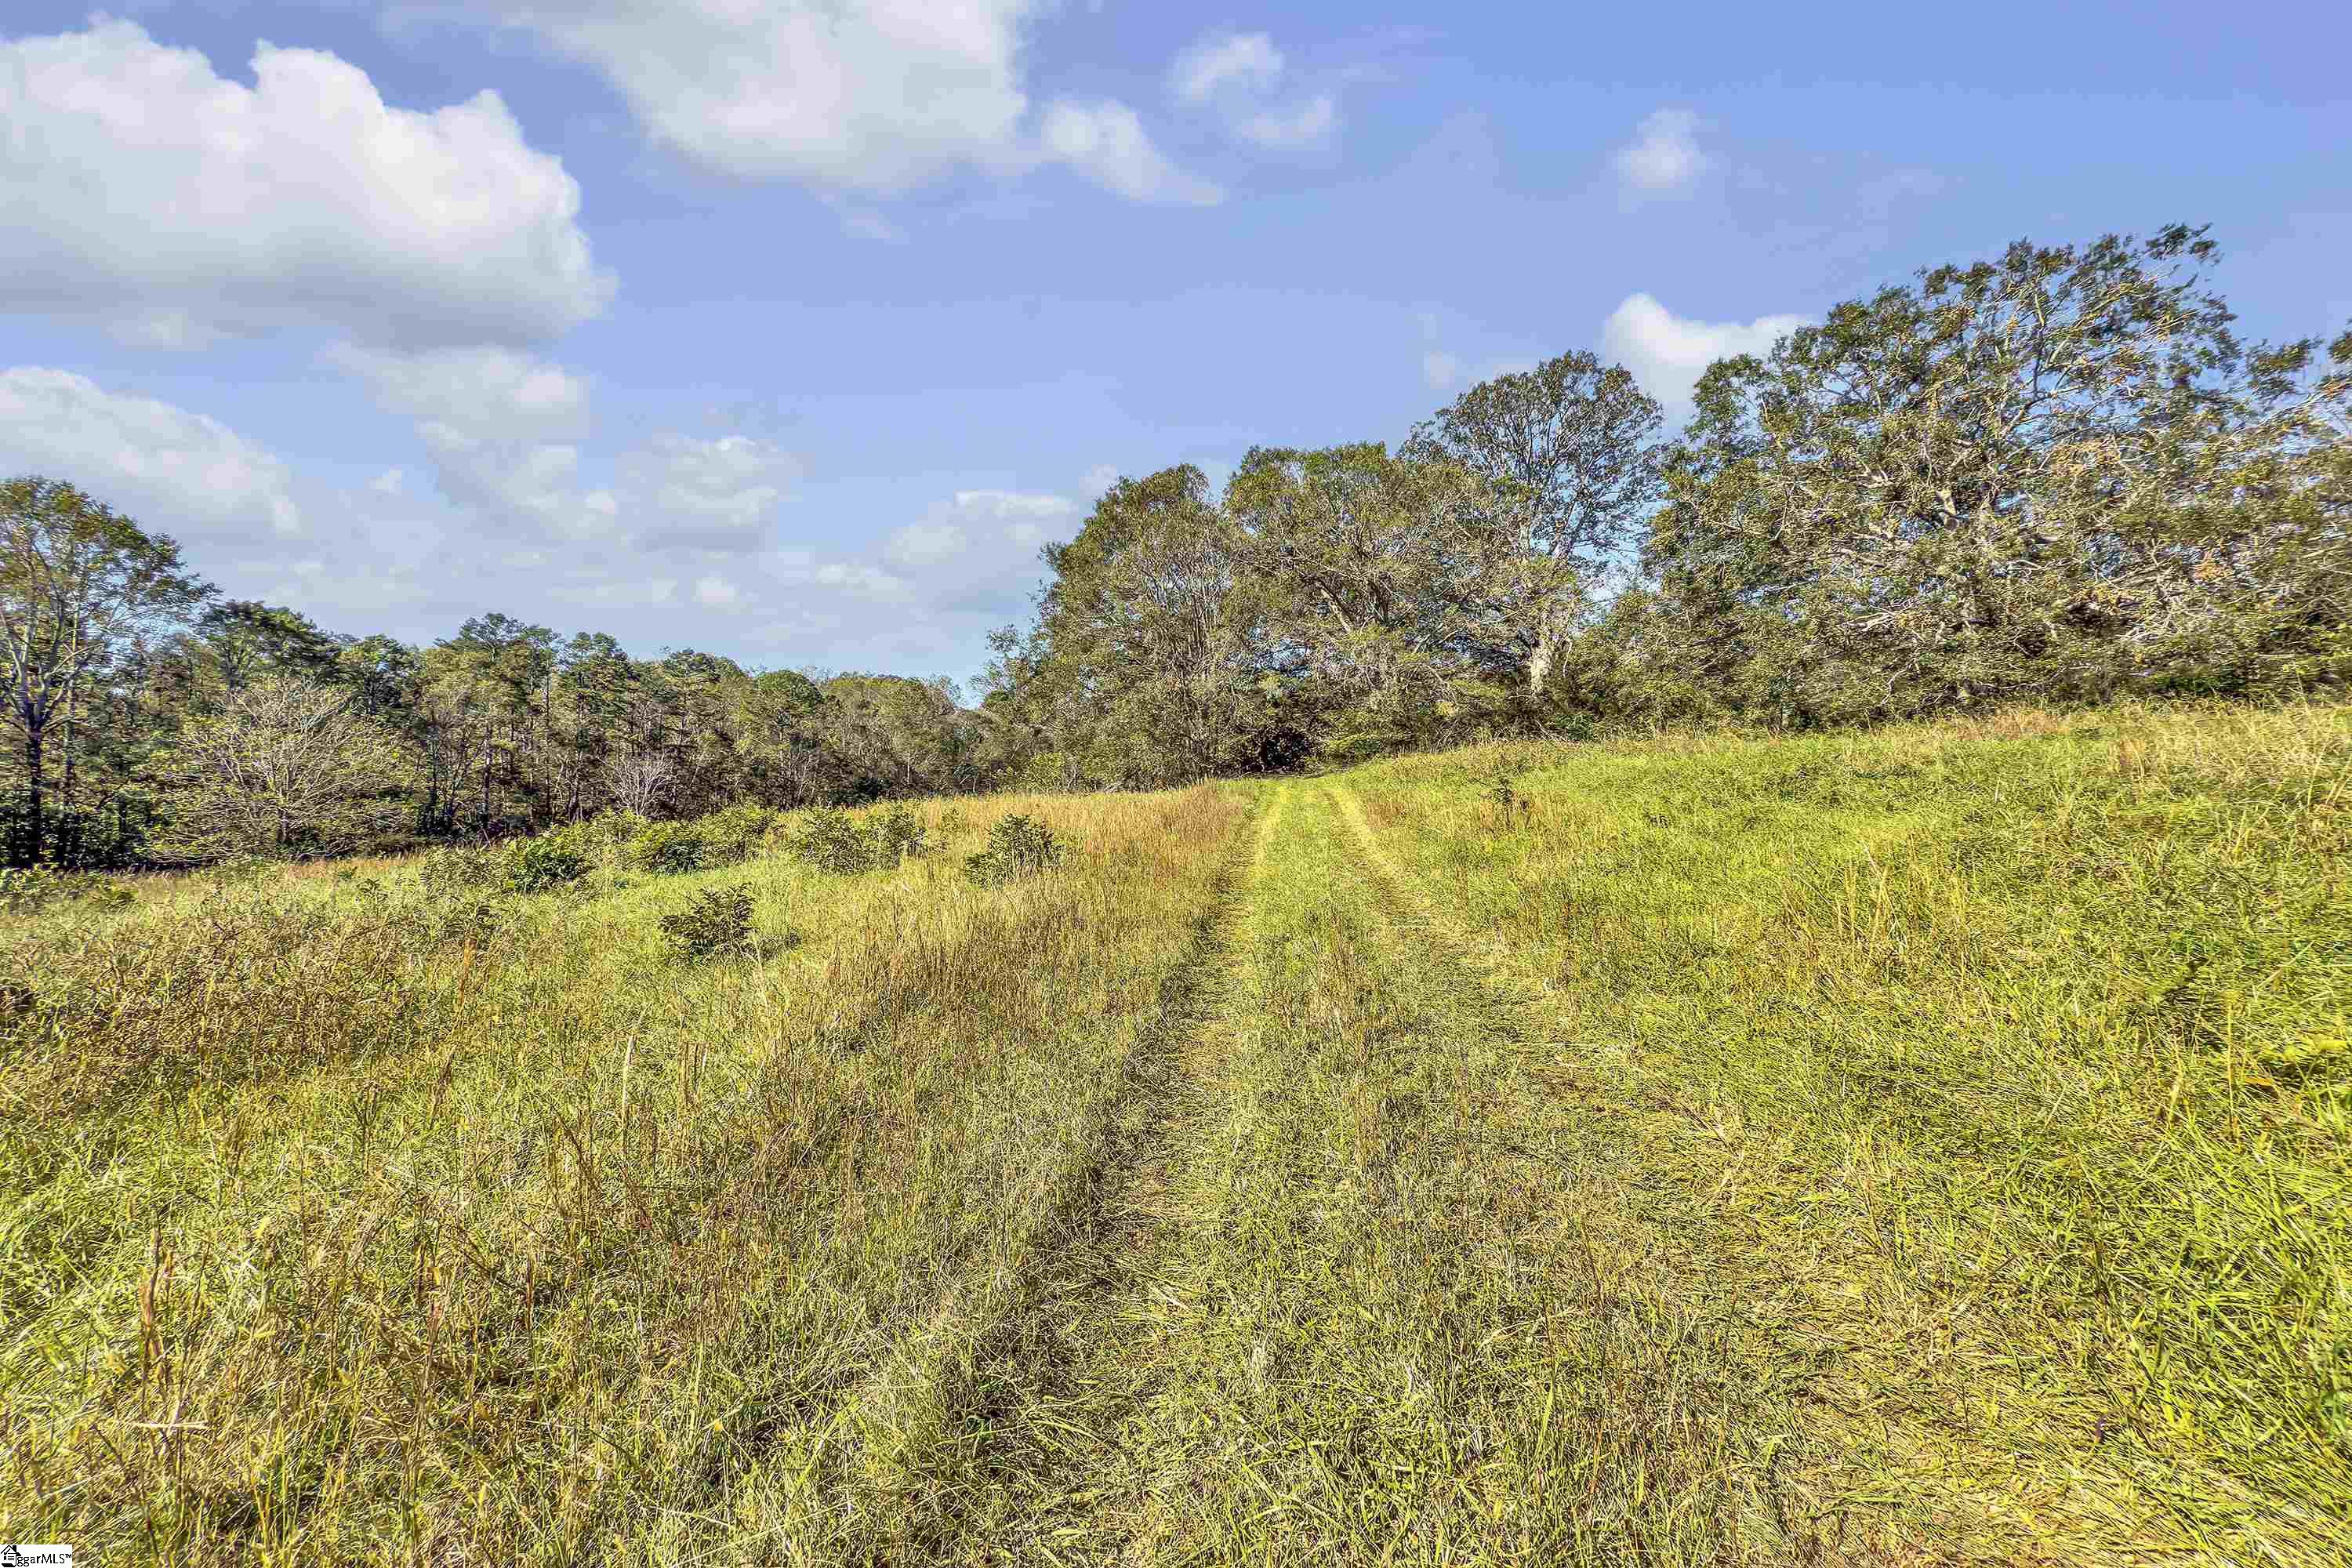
<point x="791" y="331"/>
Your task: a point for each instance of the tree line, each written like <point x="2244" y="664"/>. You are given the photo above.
<point x="2055" y="476"/>
<point x="156" y="721"/>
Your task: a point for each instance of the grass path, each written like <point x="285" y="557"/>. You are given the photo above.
<point x="1358" y="1288"/>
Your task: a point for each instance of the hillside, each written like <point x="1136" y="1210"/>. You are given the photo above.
<point x="1921" y="1146"/>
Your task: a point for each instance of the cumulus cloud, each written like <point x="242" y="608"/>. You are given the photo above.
<point x="1236" y="75"/>
<point x="1104" y="142"/>
<point x="175" y="471"/>
<point x="1665" y="153"/>
<point x="721" y="495"/>
<point x="1668" y="354"/>
<point x="178" y="206"/>
<point x="857" y="97"/>
<point x="1222" y="61"/>
<point x="492" y="392"/>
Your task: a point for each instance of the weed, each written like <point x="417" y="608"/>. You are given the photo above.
<point x="669" y="848"/>
<point x="1018" y="846"/>
<point x="714" y="921"/>
<point x="540" y="865"/>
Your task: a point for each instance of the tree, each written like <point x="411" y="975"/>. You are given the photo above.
<point x="1384" y="573"/>
<point x="83" y="590"/>
<point x="286" y="767"/>
<point x="2055" y="474"/>
<point x="1567" y="453"/>
<point x="1148" y="638"/>
<point x="242" y="641"/>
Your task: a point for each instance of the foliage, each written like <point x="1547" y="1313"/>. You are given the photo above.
<point x="736" y="832"/>
<point x="540" y="865"/>
<point x="669" y="848"/>
<point x="284" y="768"/>
<point x="28" y="890"/>
<point x="2058" y="474"/>
<point x="713" y="921"/>
<point x="83" y="591"/>
<point x="455" y="868"/>
<point x="1018" y="845"/>
<point x="833" y="840"/>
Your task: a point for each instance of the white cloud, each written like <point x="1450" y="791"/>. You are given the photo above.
<point x="493" y="394"/>
<point x="178" y="206"/>
<point x="920" y="545"/>
<point x="1308" y="124"/>
<point x="682" y="492"/>
<point x="1440" y="369"/>
<point x="1106" y="143"/>
<point x="391" y="482"/>
<point x="1098" y="480"/>
<point x="1222" y="61"/>
<point x="1236" y="74"/>
<point x="1665" y="153"/>
<point x="872" y="97"/>
<point x="717" y="593"/>
<point x="175" y="471"/>
<point x="1667" y="354"/>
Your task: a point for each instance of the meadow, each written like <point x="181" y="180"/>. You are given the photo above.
<point x="1919" y="1146"/>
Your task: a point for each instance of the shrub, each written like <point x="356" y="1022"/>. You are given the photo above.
<point x="897" y="837"/>
<point x="716" y="920"/>
<point x="668" y="849"/>
<point x="26" y="890"/>
<point x="735" y="834"/>
<point x="537" y="865"/>
<point x="834" y="841"/>
<point x="606" y="837"/>
<point x="1017" y="846"/>
<point x="831" y="842"/>
<point x="462" y="869"/>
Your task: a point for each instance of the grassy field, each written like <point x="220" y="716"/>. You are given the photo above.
<point x="1925" y="1147"/>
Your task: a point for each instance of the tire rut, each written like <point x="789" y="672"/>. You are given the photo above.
<point x="1034" y="1442"/>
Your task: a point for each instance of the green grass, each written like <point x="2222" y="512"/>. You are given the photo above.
<point x="1919" y="1147"/>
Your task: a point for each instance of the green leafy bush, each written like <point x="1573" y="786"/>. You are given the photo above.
<point x="897" y="837"/>
<point x="24" y="890"/>
<point x="833" y="840"/>
<point x="711" y="923"/>
<point x="735" y="834"/>
<point x="669" y="848"/>
<point x="537" y="865"/>
<point x="1017" y="846"/>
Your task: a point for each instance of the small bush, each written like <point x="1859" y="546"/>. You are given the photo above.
<point x="832" y="842"/>
<point x="1502" y="795"/>
<point x="668" y="849"/>
<point x="467" y="922"/>
<point x="24" y="890"/>
<point x="713" y="921"/>
<point x="735" y="834"/>
<point x="537" y="865"/>
<point x="897" y="837"/>
<point x="462" y="869"/>
<point x="1017" y="846"/>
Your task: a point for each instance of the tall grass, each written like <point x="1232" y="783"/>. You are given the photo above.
<point x="337" y="1232"/>
<point x="2015" y="1051"/>
<point x="1927" y="1146"/>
